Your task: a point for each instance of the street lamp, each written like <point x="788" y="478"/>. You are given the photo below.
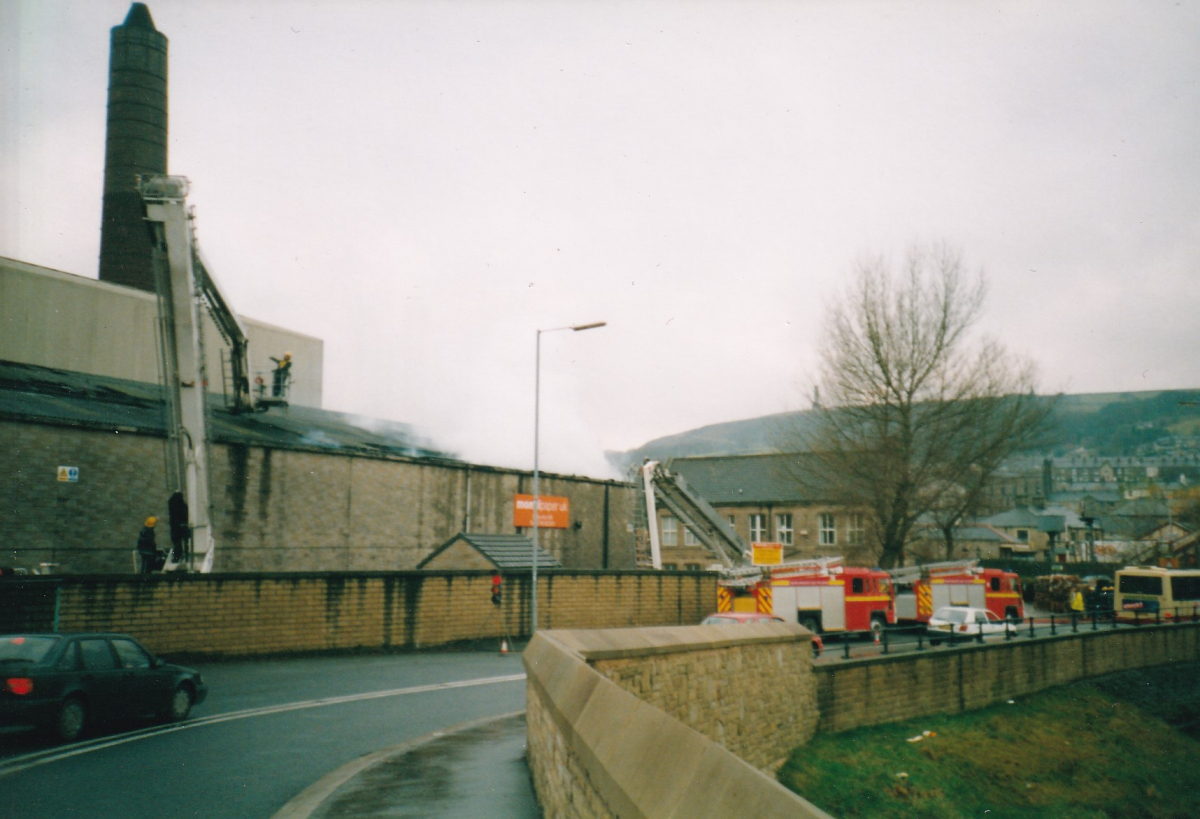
<point x="537" y="398"/>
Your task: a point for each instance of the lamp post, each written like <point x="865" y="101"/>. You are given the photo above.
<point x="537" y="398"/>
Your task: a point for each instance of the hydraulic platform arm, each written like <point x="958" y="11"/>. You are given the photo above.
<point x="182" y="283"/>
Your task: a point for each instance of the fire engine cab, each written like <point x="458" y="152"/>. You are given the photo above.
<point x="820" y="594"/>
<point x="920" y="590"/>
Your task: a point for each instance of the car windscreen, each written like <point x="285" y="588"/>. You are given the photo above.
<point x="951" y="615"/>
<point x="30" y="649"/>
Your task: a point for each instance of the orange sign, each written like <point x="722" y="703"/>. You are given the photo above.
<point x="553" y="513"/>
<point x="766" y="554"/>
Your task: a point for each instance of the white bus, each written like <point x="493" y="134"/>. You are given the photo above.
<point x="1148" y="594"/>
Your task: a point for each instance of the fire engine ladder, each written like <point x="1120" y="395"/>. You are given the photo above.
<point x="712" y="530"/>
<point x="740" y="577"/>
<point x="910" y="574"/>
<point x="811" y="566"/>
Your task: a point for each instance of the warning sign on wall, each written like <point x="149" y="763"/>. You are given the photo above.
<point x="68" y="474"/>
<point x="553" y="512"/>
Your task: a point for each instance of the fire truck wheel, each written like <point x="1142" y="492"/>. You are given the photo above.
<point x="811" y="624"/>
<point x="1011" y="615"/>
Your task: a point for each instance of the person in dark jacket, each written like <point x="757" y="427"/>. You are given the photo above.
<point x="147" y="546"/>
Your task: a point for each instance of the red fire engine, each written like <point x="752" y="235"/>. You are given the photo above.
<point x="920" y="590"/>
<point x="821" y="595"/>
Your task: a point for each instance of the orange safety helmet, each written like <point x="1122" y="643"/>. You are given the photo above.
<point x="151" y="521"/>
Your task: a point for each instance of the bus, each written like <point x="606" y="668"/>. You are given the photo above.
<point x="1150" y="594"/>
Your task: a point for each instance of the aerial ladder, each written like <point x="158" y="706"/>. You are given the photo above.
<point x="183" y="284"/>
<point x="709" y="527"/>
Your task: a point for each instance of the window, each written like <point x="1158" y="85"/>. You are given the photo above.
<point x="131" y="654"/>
<point x="856" y="530"/>
<point x="828" y="530"/>
<point x="1023" y="535"/>
<point x="96" y="655"/>
<point x="783" y="529"/>
<point x="692" y="567"/>
<point x="856" y="585"/>
<point x="670" y="531"/>
<point x="689" y="537"/>
<point x="995" y="584"/>
<point x="758" y="528"/>
<point x="669" y="567"/>
<point x="731" y="524"/>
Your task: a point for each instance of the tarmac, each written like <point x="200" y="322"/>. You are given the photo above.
<point x="474" y="769"/>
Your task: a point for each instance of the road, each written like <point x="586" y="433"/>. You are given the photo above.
<point x="268" y="730"/>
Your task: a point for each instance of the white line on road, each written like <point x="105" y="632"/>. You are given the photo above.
<point x="32" y="760"/>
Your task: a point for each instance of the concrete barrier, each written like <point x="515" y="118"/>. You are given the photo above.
<point x="668" y="722"/>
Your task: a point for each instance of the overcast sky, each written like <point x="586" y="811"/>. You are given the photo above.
<point x="424" y="184"/>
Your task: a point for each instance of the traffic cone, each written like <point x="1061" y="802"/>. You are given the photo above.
<point x="876" y="635"/>
<point x="503" y="646"/>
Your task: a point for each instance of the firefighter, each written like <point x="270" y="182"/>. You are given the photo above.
<point x="147" y="546"/>
<point x="283" y="370"/>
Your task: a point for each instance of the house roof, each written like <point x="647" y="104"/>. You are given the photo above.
<point x="756" y="479"/>
<point x="974" y="534"/>
<point x="506" y="552"/>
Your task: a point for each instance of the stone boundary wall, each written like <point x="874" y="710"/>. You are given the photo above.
<point x="879" y="690"/>
<point x="248" y="615"/>
<point x="596" y="748"/>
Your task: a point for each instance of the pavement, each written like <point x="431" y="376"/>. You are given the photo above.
<point x="473" y="769"/>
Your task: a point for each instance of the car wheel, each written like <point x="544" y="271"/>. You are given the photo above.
<point x="72" y="715"/>
<point x="811" y="624"/>
<point x="181" y="704"/>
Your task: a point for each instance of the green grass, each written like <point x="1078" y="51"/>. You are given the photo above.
<point x="1107" y="748"/>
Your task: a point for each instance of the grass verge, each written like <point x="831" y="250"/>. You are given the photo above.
<point x="1117" y="746"/>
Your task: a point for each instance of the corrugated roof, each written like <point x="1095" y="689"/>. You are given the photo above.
<point x="507" y="552"/>
<point x="758" y="479"/>
<point x="45" y="395"/>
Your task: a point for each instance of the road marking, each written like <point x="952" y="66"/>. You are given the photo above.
<point x="32" y="760"/>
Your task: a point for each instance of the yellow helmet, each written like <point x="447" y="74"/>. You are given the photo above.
<point x="287" y="355"/>
<point x="151" y="521"/>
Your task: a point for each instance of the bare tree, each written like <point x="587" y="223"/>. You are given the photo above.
<point x="915" y="416"/>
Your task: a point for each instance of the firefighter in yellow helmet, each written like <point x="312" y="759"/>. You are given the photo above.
<point x="283" y="370"/>
<point x="147" y="546"/>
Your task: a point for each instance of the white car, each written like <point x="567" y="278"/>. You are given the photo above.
<point x="964" y="622"/>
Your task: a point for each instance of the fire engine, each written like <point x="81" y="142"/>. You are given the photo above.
<point x="820" y="594"/>
<point x="920" y="590"/>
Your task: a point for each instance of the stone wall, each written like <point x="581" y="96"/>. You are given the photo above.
<point x="597" y="748"/>
<point x="732" y="694"/>
<point x="279" y="509"/>
<point x="246" y="615"/>
<point x="879" y="690"/>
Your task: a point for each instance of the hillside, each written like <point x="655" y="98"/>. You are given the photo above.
<point x="1109" y="423"/>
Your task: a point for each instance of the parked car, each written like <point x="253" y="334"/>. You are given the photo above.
<point x="65" y="683"/>
<point x="742" y="617"/>
<point x="965" y="621"/>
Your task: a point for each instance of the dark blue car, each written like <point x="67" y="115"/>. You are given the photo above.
<point x="66" y="682"/>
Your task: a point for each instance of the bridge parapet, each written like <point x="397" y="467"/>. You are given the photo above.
<point x="668" y="721"/>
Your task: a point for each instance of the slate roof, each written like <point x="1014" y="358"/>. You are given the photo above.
<point x="506" y="552"/>
<point x="756" y="479"/>
<point x="45" y="395"/>
<point x="975" y="534"/>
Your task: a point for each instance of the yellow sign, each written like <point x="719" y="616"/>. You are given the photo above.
<point x="68" y="474"/>
<point x="766" y="554"/>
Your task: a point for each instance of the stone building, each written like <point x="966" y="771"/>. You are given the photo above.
<point x="764" y="501"/>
